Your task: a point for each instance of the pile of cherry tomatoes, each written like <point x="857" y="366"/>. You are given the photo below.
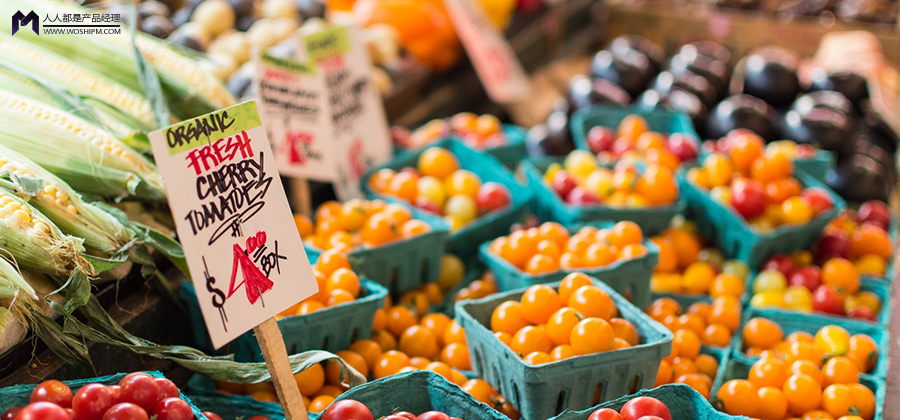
<point x="351" y="409"/>
<point x="137" y="396"/>
<point x="358" y="223"/>
<point x="859" y="236"/>
<point x="476" y="131"/>
<point x="758" y="184"/>
<point x="640" y="408"/>
<point x="633" y="139"/>
<point x="815" y="377"/>
<point x="338" y="284"/>
<point x="550" y="247"/>
<point x="548" y="325"/>
<point x="440" y="186"/>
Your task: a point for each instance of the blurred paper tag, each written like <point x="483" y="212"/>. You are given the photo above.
<point x="493" y="58"/>
<point x="294" y="110"/>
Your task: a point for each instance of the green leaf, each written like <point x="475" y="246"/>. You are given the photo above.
<point x="146" y="75"/>
<point x="78" y="292"/>
<point x="102" y="264"/>
<point x="72" y="351"/>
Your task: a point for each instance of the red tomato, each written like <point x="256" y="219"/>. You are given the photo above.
<point x="126" y="411"/>
<point x="826" y="299"/>
<point x="563" y="184"/>
<point x="818" y="198"/>
<point x="780" y="262"/>
<point x="748" y="198"/>
<point x="396" y="417"/>
<point x="862" y="312"/>
<point x="433" y="415"/>
<point x="809" y="277"/>
<point x="492" y="196"/>
<point x="645" y="406"/>
<point x="650" y="418"/>
<point x="347" y="409"/>
<point x="405" y="414"/>
<point x="115" y="389"/>
<point x="42" y="410"/>
<point x="167" y="389"/>
<point x="605" y="414"/>
<point x="91" y="401"/>
<point x="54" y="392"/>
<point x="11" y="413"/>
<point x="173" y="409"/>
<point x="141" y="389"/>
<point x="212" y="416"/>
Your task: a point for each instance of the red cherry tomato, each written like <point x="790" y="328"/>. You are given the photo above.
<point x="52" y="391"/>
<point x="645" y="406"/>
<point x="126" y="411"/>
<point x="826" y="299"/>
<point x="11" y="413"/>
<point x="780" y="262"/>
<point x="405" y="414"/>
<point x="347" y="409"/>
<point x="433" y="415"/>
<point x="212" y="416"/>
<point x="42" y="411"/>
<point x="650" y="418"/>
<point x="91" y="401"/>
<point x="395" y="417"/>
<point x="140" y="389"/>
<point x="748" y="198"/>
<point x="115" y="389"/>
<point x="819" y="199"/>
<point x="605" y="414"/>
<point x="173" y="409"/>
<point x="167" y="389"/>
<point x="492" y="196"/>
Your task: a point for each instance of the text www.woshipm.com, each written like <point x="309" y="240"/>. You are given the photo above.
<point x="82" y="31"/>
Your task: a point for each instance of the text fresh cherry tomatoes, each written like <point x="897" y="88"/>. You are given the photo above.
<point x="645" y="406"/>
<point x="52" y="391"/>
<point x="347" y="409"/>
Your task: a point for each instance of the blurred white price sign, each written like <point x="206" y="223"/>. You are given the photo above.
<point x="493" y="58"/>
<point x="233" y="220"/>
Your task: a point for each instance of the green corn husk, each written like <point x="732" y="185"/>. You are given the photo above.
<point x="61" y="204"/>
<point x="12" y="284"/>
<point x="75" y="150"/>
<point x="33" y="59"/>
<point x="32" y="241"/>
<point x="189" y="90"/>
<point x="127" y="128"/>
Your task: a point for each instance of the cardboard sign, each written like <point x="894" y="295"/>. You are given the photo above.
<point x="293" y="105"/>
<point x="359" y="125"/>
<point x="494" y="60"/>
<point x="243" y="250"/>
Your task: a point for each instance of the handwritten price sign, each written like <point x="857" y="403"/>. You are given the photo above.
<point x="493" y="58"/>
<point x="233" y="219"/>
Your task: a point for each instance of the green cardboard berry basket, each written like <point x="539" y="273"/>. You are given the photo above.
<point x="629" y="278"/>
<point x="332" y="329"/>
<point x="421" y="262"/>
<point x="733" y="234"/>
<point x="881" y="288"/>
<point x="738" y="367"/>
<point x="18" y="395"/>
<point x="464" y="242"/>
<point x="817" y="166"/>
<point x="659" y="120"/>
<point x="811" y="323"/>
<point x="418" y="392"/>
<point x="682" y="402"/>
<point x="547" y="205"/>
<point x="543" y="391"/>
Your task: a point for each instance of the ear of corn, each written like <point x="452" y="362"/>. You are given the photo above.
<point x="62" y="205"/>
<point x="33" y="241"/>
<point x="127" y="128"/>
<point x="189" y="90"/>
<point x="48" y="65"/>
<point x="12" y="284"/>
<point x="39" y="131"/>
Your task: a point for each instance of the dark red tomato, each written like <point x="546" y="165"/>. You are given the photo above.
<point x="11" y="413"/>
<point x="91" y="401"/>
<point x="347" y="409"/>
<point x="780" y="262"/>
<point x="563" y="183"/>
<point x="42" y="411"/>
<point x="115" y="389"/>
<point x="139" y="388"/>
<point x="492" y="196"/>
<point x="819" y="199"/>
<point x="826" y="299"/>
<point x="126" y="411"/>
<point x="173" y="409"/>
<point x="212" y="416"/>
<point x="748" y="198"/>
<point x="683" y="146"/>
<point x="645" y="406"/>
<point x="167" y="389"/>
<point x="405" y="414"/>
<point x="605" y="414"/>
<point x="52" y="391"/>
<point x="834" y="244"/>
<point x="433" y="415"/>
<point x="875" y="212"/>
<point x="809" y="277"/>
<point x="600" y="139"/>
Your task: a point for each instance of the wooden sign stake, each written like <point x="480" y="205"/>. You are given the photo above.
<point x="300" y="196"/>
<point x="272" y="345"/>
